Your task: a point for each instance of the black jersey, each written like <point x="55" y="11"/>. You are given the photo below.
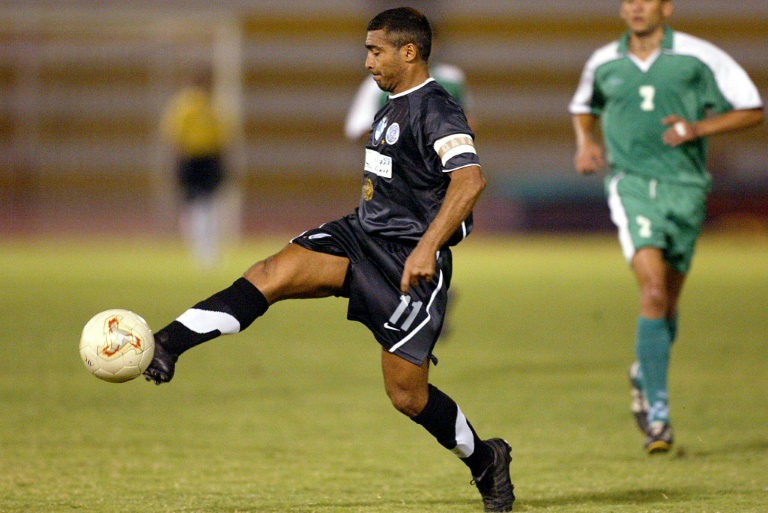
<point x="405" y="180"/>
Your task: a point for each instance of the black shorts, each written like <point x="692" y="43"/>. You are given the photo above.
<point x="200" y="177"/>
<point x="406" y="325"/>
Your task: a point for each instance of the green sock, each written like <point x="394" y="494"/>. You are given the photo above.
<point x="652" y="347"/>
<point x="672" y="326"/>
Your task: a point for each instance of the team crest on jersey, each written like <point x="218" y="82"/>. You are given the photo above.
<point x="380" y="129"/>
<point x="393" y="133"/>
<point x="368" y="189"/>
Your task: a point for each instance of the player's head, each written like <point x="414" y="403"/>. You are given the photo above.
<point x="405" y="25"/>
<point x="644" y="17"/>
<point x="398" y="42"/>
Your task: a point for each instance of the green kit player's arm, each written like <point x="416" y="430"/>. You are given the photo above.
<point x="681" y="131"/>
<point x="589" y="154"/>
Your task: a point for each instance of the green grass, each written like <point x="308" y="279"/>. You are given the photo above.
<point x="291" y="416"/>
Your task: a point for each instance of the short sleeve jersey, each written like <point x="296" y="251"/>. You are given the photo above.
<point x="405" y="180"/>
<point x="689" y="77"/>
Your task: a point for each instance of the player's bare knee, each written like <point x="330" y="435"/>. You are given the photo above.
<point x="262" y="276"/>
<point x="406" y="401"/>
<point x="257" y="273"/>
<point x="405" y="405"/>
<point x="654" y="296"/>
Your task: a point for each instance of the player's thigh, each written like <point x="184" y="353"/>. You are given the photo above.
<point x="295" y="272"/>
<point x="634" y="212"/>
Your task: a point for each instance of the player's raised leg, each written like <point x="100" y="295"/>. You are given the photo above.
<point x="407" y="386"/>
<point x="292" y="273"/>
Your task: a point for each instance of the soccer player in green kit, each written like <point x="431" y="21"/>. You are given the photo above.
<point x="658" y="94"/>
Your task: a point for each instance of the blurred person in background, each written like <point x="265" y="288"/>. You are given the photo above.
<point x="198" y="133"/>
<point x="391" y="257"/>
<point x="659" y="94"/>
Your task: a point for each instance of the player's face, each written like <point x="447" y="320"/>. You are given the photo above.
<point x="384" y="61"/>
<point x="644" y="17"/>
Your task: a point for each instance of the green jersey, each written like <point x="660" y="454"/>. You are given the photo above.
<point x="687" y="77"/>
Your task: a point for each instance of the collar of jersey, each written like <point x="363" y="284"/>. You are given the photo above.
<point x="409" y="91"/>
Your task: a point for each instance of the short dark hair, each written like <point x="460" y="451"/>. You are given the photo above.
<point x="405" y="25"/>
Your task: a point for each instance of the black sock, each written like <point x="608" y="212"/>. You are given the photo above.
<point x="229" y="311"/>
<point x="439" y="417"/>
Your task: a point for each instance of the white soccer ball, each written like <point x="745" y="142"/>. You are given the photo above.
<point x="117" y="345"/>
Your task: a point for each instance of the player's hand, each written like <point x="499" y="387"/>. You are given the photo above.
<point x="589" y="158"/>
<point x="680" y="131"/>
<point x="420" y="265"/>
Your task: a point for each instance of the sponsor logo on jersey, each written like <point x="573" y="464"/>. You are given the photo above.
<point x="378" y="164"/>
<point x="614" y="82"/>
<point x="380" y="129"/>
<point x="393" y="133"/>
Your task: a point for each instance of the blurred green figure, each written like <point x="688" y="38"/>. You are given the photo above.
<point x="659" y="94"/>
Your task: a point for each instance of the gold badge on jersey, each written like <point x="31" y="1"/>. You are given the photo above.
<point x="367" y="189"/>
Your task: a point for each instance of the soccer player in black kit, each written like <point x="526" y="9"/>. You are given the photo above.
<point x="391" y="257"/>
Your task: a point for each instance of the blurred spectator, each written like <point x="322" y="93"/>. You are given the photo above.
<point x="196" y="129"/>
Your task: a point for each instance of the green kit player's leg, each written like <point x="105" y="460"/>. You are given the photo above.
<point x="637" y="373"/>
<point x="672" y="327"/>
<point x="654" y="340"/>
<point x="653" y="344"/>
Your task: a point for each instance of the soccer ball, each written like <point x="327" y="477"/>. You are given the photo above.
<point x="117" y="345"/>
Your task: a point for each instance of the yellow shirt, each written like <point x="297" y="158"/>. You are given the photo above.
<point x="193" y="125"/>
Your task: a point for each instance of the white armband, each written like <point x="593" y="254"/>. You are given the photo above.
<point x="452" y="145"/>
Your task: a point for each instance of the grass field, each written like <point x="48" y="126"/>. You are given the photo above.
<point x="290" y="416"/>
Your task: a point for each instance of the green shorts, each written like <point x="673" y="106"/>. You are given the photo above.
<point x="649" y="213"/>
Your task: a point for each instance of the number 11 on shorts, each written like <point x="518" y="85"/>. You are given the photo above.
<point x="405" y="302"/>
